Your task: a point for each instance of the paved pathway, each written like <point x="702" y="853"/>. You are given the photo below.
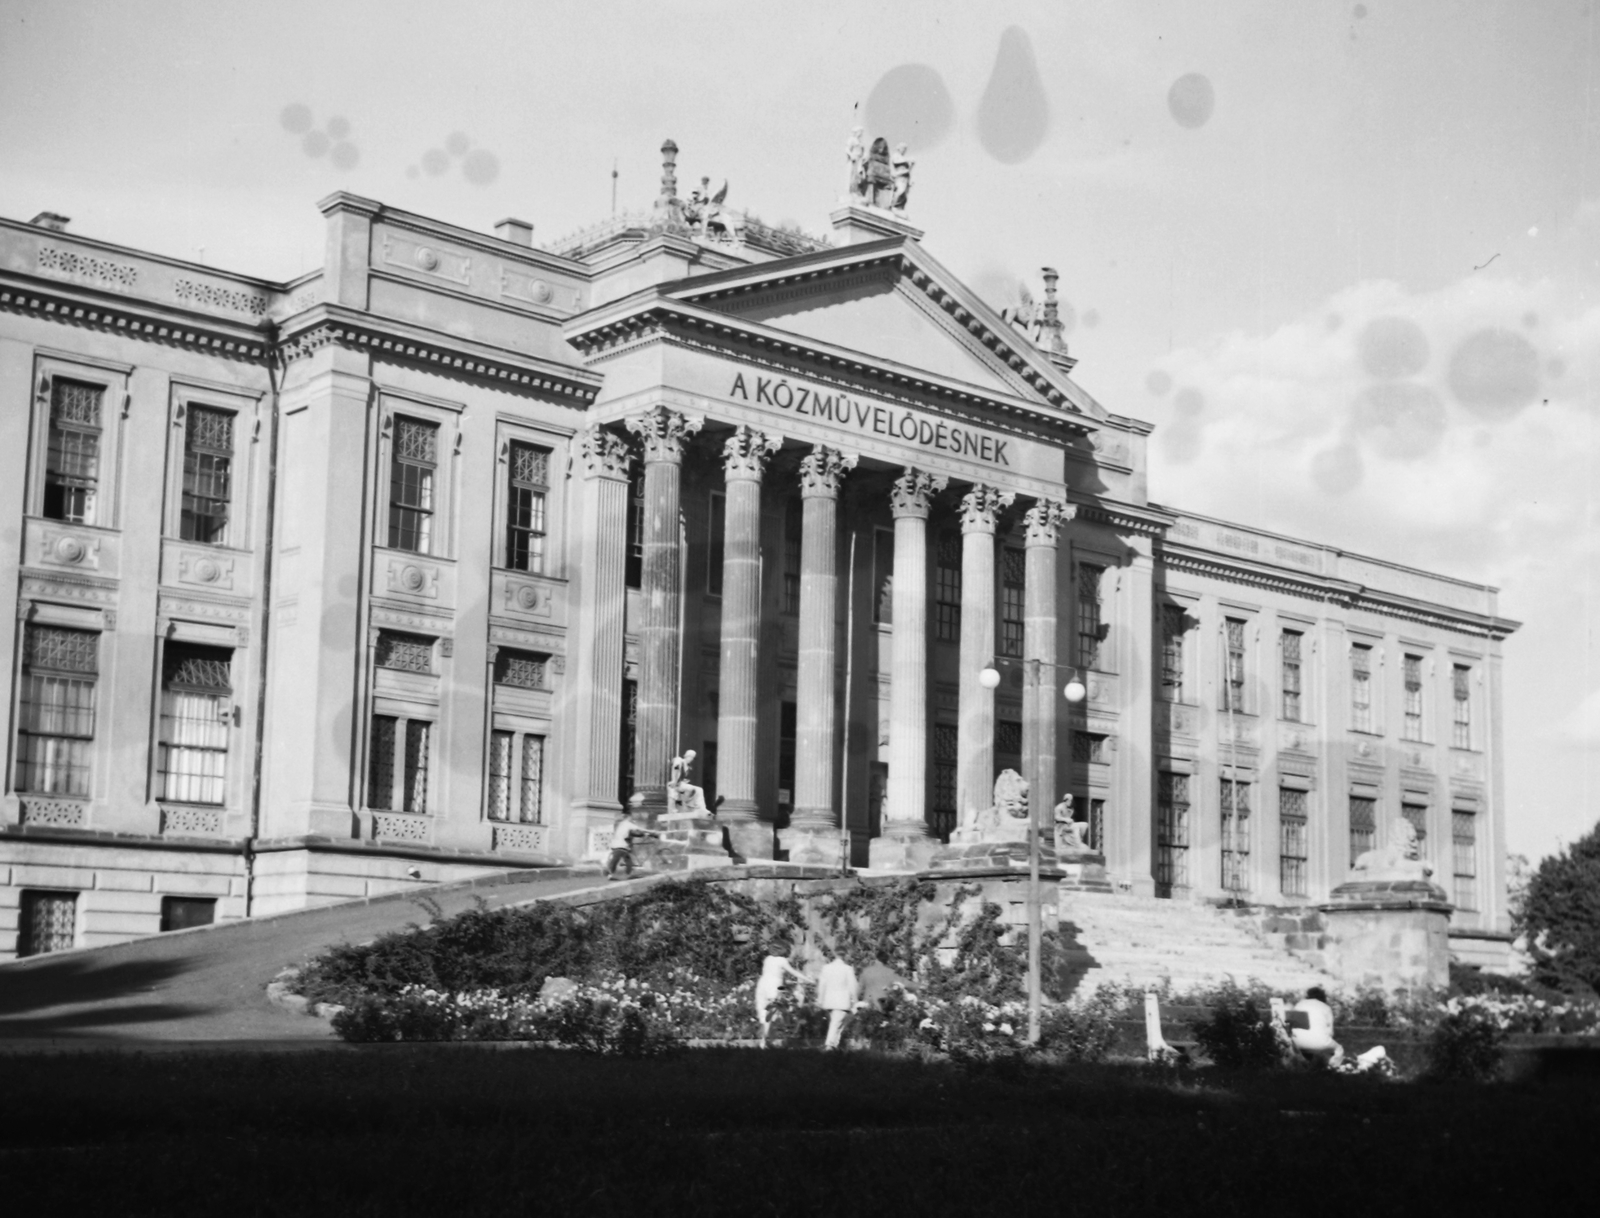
<point x="209" y="985"/>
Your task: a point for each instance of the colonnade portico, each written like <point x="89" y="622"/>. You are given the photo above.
<point x="905" y="841"/>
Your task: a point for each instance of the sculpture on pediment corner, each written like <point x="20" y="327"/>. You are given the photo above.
<point x="1023" y="314"/>
<point x="879" y="175"/>
<point x="900" y="166"/>
<point x="704" y="213"/>
<point x="856" y="153"/>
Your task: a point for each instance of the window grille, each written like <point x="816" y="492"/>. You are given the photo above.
<point x="1097" y="825"/>
<point x="1417" y="815"/>
<point x="380" y="763"/>
<point x="1363" y="826"/>
<point x="500" y="775"/>
<point x="532" y="780"/>
<point x="1172" y="833"/>
<point x="1290" y="662"/>
<point x="1013" y="600"/>
<point x="1172" y="632"/>
<point x="56" y="723"/>
<point x="48" y="922"/>
<point x="207" y="474"/>
<point x="1464" y="857"/>
<point x="1412" y="729"/>
<point x="181" y="913"/>
<point x="519" y="669"/>
<point x="411" y="485"/>
<point x="72" y="457"/>
<point x="1008" y="736"/>
<point x="1235" y="836"/>
<point x="1233" y="674"/>
<point x="944" y="812"/>
<point x="1361" y="687"/>
<point x="196" y="718"/>
<point x="415" y="790"/>
<point x="633" y="575"/>
<point x="793" y="532"/>
<point x="1090" y="634"/>
<point x="1088" y="746"/>
<point x="1461" y="689"/>
<point x="525" y="506"/>
<point x="716" y="543"/>
<point x="947" y="588"/>
<point x="628" y="754"/>
<point x="406" y="652"/>
<point x="1292" y="842"/>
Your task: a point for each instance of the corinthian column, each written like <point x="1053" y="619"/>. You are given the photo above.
<point x="975" y="735"/>
<point x="744" y="456"/>
<point x="813" y="835"/>
<point x="661" y="433"/>
<point x="1042" y="681"/>
<point x="905" y="844"/>
<point x="592" y="703"/>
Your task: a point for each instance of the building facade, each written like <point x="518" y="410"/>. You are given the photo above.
<point x="421" y="564"/>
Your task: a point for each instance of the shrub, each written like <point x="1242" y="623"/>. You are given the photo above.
<point x="1079" y="1031"/>
<point x="1559" y="917"/>
<point x="1236" y="1034"/>
<point x="1466" y="1044"/>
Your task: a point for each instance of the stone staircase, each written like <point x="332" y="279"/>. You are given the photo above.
<point x="1144" y="941"/>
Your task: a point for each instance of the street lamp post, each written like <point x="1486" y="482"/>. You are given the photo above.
<point x="1074" y="693"/>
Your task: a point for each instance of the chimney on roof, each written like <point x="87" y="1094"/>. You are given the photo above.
<point x="53" y="220"/>
<point x="518" y="232"/>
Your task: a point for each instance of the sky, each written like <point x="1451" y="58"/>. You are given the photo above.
<point x="1345" y="256"/>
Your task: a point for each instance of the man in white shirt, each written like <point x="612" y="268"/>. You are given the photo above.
<point x="622" y="834"/>
<point x="838" y="993"/>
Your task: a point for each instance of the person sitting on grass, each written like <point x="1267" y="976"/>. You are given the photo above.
<point x="775" y="970"/>
<point x="622" y="835"/>
<point x="1311" y="1028"/>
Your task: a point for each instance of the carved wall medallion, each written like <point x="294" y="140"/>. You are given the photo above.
<point x="413" y="255"/>
<point x="534" y="599"/>
<point x="205" y="569"/>
<point x="427" y="259"/>
<point x="70" y="550"/>
<point x="413" y="579"/>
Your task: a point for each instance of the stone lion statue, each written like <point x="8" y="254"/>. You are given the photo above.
<point x="1005" y="818"/>
<point x="1401" y="858"/>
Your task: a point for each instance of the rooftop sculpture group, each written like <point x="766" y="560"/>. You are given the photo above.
<point x="876" y="178"/>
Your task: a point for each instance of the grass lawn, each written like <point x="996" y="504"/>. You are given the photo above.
<point x="399" y="1130"/>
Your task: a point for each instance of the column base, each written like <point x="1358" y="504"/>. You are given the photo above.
<point x="750" y="839"/>
<point x="813" y="845"/>
<point x="902" y="853"/>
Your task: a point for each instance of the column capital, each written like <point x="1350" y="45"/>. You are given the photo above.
<point x="745" y="453"/>
<point x="662" y="432"/>
<point x="600" y="453"/>
<point x="821" y="471"/>
<point x="981" y="505"/>
<point x="1044" y="518"/>
<point x="914" y="491"/>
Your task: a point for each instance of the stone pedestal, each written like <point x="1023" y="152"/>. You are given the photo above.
<point x="1083" y="871"/>
<point x="1389" y="933"/>
<point x="686" y="845"/>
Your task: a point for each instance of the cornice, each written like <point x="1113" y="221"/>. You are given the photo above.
<point x="136" y="319"/>
<point x="330" y="325"/>
<point x="1130" y="517"/>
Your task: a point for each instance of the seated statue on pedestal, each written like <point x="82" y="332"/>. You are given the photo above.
<point x="1069" y="832"/>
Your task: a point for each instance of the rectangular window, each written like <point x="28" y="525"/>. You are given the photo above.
<point x="1361" y="687"/>
<point x="947" y="588"/>
<point x="1233" y="664"/>
<point x="196" y="722"/>
<point x="72" y="458"/>
<point x="1363" y="826"/>
<point x="793" y="532"/>
<point x="530" y="783"/>
<point x="1173" y="623"/>
<point x="716" y="538"/>
<point x="706" y="763"/>
<point x="525" y="506"/>
<point x="1235" y="836"/>
<point x="1292" y="839"/>
<point x="519" y="669"/>
<point x="1090" y="634"/>
<point x="633" y="575"/>
<point x="943" y="815"/>
<point x="1412" y="729"/>
<point x="48" y="922"/>
<point x="1088" y="746"/>
<point x="55" y="725"/>
<point x="1289" y="661"/>
<point x="414" y="792"/>
<point x="629" y="753"/>
<point x="406" y="652"/>
<point x="500" y="746"/>
<point x="380" y="763"/>
<point x="207" y="474"/>
<point x="1008" y="737"/>
<point x="1461" y="695"/>
<point x="1417" y="815"/>
<point x="1464" y="857"/>
<point x="1097" y="825"/>
<point x="516" y="777"/>
<point x="1172" y="833"/>
<point x="1013" y="599"/>
<point x="883" y="577"/>
<point x="182" y="913"/>
<point x="412" y="474"/>
<point x="788" y="729"/>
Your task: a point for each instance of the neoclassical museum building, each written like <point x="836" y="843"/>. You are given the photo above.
<point x="421" y="564"/>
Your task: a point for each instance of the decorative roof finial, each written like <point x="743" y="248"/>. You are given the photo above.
<point x="1050" y="327"/>
<point x="669" y="170"/>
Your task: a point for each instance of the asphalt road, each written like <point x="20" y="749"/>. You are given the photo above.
<point x="209" y="985"/>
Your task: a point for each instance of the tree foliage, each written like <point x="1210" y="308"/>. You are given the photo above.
<point x="1560" y="918"/>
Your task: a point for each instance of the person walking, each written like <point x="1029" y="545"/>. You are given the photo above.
<point x="838" y="993"/>
<point x="622" y="835"/>
<point x="775" y="970"/>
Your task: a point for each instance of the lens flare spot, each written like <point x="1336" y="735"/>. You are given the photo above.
<point x="1191" y="99"/>
<point x="296" y="118"/>
<point x="1392" y="347"/>
<point x="1495" y="373"/>
<point x="1014" y="112"/>
<point x="910" y="103"/>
